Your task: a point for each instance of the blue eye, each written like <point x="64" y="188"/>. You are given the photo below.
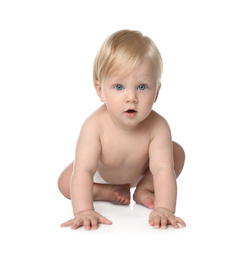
<point x="119" y="87"/>
<point x="141" y="87"/>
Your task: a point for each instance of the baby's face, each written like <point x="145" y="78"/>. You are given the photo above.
<point x="129" y="99"/>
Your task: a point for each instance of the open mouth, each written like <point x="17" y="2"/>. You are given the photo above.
<point x="130" y="112"/>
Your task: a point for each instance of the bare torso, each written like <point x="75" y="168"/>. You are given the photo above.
<point x="124" y="154"/>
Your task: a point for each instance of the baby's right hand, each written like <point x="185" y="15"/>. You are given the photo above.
<point x="88" y="219"/>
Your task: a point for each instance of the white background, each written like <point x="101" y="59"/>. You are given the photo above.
<point x="47" y="50"/>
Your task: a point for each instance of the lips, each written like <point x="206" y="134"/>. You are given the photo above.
<point x="130" y="112"/>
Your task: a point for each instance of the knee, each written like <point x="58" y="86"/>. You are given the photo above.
<point x="63" y="187"/>
<point x="64" y="181"/>
<point x="179" y="158"/>
<point x="180" y="152"/>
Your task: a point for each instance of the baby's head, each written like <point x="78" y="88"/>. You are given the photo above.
<point x="123" y="51"/>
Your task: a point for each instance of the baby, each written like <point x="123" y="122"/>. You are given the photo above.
<point x="125" y="143"/>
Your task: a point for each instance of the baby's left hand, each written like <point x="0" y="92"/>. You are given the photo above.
<point x="161" y="217"/>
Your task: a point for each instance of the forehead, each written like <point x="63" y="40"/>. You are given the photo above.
<point x="144" y="71"/>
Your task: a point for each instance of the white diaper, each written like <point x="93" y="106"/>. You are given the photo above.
<point x="100" y="180"/>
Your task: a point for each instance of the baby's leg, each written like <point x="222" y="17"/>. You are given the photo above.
<point x="144" y="193"/>
<point x="117" y="194"/>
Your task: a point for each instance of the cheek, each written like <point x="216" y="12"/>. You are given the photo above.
<point x="148" y="101"/>
<point x="112" y="102"/>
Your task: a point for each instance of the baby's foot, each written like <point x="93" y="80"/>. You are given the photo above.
<point x="144" y="197"/>
<point x="120" y="194"/>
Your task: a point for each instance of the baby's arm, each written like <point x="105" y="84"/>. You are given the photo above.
<point x="85" y="165"/>
<point x="164" y="179"/>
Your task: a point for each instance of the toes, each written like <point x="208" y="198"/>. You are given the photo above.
<point x="126" y="202"/>
<point x="116" y="196"/>
<point x="149" y="203"/>
<point x="119" y="199"/>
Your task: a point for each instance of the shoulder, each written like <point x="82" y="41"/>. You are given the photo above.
<point x="94" y="123"/>
<point x="158" y="125"/>
<point x="96" y="118"/>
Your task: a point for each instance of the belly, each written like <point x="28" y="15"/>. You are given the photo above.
<point x="123" y="173"/>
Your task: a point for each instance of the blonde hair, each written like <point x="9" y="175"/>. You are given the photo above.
<point x="123" y="51"/>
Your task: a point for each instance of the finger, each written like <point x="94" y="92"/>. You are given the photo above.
<point x="181" y="222"/>
<point x="173" y="222"/>
<point x="151" y="221"/>
<point x="104" y="220"/>
<point x="86" y="223"/>
<point x="164" y="223"/>
<point x="94" y="223"/>
<point x="157" y="222"/>
<point x="67" y="223"/>
<point x="77" y="223"/>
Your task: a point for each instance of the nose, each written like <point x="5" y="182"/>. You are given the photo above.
<point x="131" y="97"/>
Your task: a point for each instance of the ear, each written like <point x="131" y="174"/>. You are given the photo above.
<point x="159" y="87"/>
<point x="99" y="90"/>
